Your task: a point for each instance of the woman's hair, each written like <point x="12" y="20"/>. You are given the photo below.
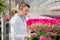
<point x="23" y="5"/>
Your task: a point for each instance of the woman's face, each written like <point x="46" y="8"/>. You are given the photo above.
<point x="25" y="11"/>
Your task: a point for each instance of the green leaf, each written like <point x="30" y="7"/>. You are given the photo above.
<point x="3" y="5"/>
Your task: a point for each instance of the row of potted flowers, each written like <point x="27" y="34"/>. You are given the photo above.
<point x="46" y="29"/>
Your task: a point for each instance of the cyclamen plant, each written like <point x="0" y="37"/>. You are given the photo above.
<point x="46" y="29"/>
<point x="44" y="32"/>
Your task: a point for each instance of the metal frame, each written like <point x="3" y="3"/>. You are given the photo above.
<point x="3" y="26"/>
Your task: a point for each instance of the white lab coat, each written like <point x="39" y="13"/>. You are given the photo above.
<point x="18" y="28"/>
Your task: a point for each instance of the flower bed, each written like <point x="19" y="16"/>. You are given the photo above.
<point x="46" y="29"/>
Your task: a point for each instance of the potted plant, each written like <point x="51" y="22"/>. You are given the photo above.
<point x="3" y="6"/>
<point x="44" y="32"/>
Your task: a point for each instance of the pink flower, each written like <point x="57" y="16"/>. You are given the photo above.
<point x="43" y="38"/>
<point x="37" y="28"/>
<point x="47" y="30"/>
<point x="58" y="21"/>
<point x="52" y="36"/>
<point x="29" y="22"/>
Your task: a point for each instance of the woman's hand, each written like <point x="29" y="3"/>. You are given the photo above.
<point x="28" y="36"/>
<point x="33" y="35"/>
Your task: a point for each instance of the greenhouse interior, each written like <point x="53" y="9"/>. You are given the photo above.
<point x="29" y="19"/>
